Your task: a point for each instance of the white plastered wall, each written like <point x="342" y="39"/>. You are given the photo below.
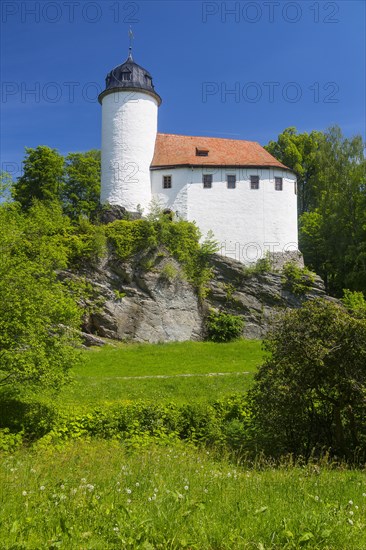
<point x="129" y="128"/>
<point x="246" y="222"/>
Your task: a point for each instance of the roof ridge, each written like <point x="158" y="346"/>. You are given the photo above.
<point x="207" y="137"/>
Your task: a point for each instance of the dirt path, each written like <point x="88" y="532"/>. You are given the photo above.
<point x="176" y="375"/>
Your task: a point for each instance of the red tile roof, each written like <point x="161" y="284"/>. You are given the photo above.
<point x="176" y="150"/>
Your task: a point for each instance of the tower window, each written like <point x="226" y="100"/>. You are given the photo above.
<point x="254" y="182"/>
<point x="295" y="187"/>
<point x="167" y="182"/>
<point x="126" y="76"/>
<point x="201" y="152"/>
<point x="231" y="182"/>
<point x="207" y="181"/>
<point x="148" y="80"/>
<point x="278" y="184"/>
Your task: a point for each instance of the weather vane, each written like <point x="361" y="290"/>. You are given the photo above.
<point x="131" y="37"/>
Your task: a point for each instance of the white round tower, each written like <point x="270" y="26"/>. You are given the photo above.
<point x="129" y="127"/>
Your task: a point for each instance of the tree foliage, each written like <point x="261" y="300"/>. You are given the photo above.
<point x="81" y="189"/>
<point x="331" y="173"/>
<point x="38" y="317"/>
<point x="310" y="393"/>
<point x="73" y="180"/>
<point x="42" y="179"/>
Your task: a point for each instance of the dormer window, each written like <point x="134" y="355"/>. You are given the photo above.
<point x="148" y="80"/>
<point x="126" y="75"/>
<point x="201" y="152"/>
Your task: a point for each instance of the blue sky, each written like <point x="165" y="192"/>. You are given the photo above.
<point x="296" y="63"/>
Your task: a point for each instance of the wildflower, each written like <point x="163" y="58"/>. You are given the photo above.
<point x="149" y="499"/>
<point x="42" y="488"/>
<point x="128" y="501"/>
<point x="364" y="494"/>
<point x="24" y="493"/>
<point x="97" y="497"/>
<point x="116" y="529"/>
<point x="90" y="487"/>
<point x="350" y="502"/>
<point x="350" y="521"/>
<point x="155" y="490"/>
<point x="316" y="498"/>
<point x="62" y="487"/>
<point x="137" y="484"/>
<point x="350" y="513"/>
<point x="153" y="497"/>
<point x="128" y="491"/>
<point x="83" y="480"/>
<point x="186" y="487"/>
<point x="356" y="507"/>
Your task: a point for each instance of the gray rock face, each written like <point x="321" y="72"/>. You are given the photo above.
<point x="159" y="305"/>
<point x="144" y="306"/>
<point x="257" y="297"/>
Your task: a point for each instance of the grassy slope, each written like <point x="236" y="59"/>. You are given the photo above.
<point x="98" y="497"/>
<point x="117" y="373"/>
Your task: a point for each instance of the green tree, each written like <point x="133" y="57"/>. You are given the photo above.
<point x="332" y="203"/>
<point x="310" y="393"/>
<point x="333" y="236"/>
<point x="42" y="179"/>
<point x="299" y="152"/>
<point x="6" y="185"/>
<point x="81" y="191"/>
<point x="38" y="317"/>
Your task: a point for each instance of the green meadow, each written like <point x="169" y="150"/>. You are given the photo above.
<point x="96" y="495"/>
<point x="87" y="492"/>
<point x="179" y="372"/>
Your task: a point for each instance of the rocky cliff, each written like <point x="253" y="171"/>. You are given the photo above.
<point x="157" y="304"/>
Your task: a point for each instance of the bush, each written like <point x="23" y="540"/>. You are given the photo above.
<point x="355" y="303"/>
<point x="296" y="279"/>
<point x="223" y="327"/>
<point x="310" y="392"/>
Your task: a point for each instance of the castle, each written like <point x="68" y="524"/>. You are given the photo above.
<point x="233" y="188"/>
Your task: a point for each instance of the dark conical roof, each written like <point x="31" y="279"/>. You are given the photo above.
<point x="129" y="76"/>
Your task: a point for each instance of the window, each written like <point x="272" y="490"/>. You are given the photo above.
<point x="254" y="182"/>
<point x="278" y="184"/>
<point x="201" y="152"/>
<point x="231" y="182"/>
<point x="295" y="187"/>
<point x="148" y="80"/>
<point x="207" y="181"/>
<point x="126" y="76"/>
<point x="167" y="182"/>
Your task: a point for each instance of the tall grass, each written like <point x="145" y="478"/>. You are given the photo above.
<point x="100" y="496"/>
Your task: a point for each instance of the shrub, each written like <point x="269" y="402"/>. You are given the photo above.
<point x="223" y="327"/>
<point x="310" y="392"/>
<point x="296" y="279"/>
<point x="355" y="303"/>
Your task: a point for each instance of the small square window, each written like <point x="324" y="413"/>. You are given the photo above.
<point x="278" y="184"/>
<point x="295" y="187"/>
<point x="254" y="182"/>
<point x="126" y="76"/>
<point x="167" y="182"/>
<point x="207" y="181"/>
<point x="231" y="182"/>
